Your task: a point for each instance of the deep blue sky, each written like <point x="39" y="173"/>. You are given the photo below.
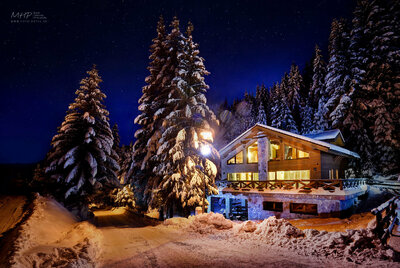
<point x="244" y="43"/>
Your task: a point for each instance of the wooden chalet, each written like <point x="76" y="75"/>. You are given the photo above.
<point x="268" y="171"/>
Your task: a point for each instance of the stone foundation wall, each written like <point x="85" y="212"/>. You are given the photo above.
<point x="326" y="207"/>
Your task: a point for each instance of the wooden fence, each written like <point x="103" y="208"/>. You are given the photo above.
<point x="386" y="218"/>
<point x="301" y="185"/>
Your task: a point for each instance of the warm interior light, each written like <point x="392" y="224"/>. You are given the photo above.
<point x="207" y="135"/>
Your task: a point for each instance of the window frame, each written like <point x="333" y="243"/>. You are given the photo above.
<point x="274" y="206"/>
<point x="297" y="152"/>
<point x="247" y="153"/>
<point x="304" y="211"/>
<point x="234" y="157"/>
<point x="278" y="151"/>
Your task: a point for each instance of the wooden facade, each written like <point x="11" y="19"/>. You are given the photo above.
<point x="322" y="162"/>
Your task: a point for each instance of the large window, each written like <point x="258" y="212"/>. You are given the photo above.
<point x="294" y="153"/>
<point x="293" y="175"/>
<point x="304" y="208"/>
<point x="237" y="159"/>
<point x="252" y="153"/>
<point x="274" y="150"/>
<point x="243" y="176"/>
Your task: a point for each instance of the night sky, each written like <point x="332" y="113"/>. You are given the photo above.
<point x="244" y="43"/>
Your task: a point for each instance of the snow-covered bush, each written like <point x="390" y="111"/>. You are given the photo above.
<point x="124" y="197"/>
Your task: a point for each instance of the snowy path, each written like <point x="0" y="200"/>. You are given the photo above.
<point x="160" y="246"/>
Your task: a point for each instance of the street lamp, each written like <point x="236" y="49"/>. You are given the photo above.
<point x="205" y="150"/>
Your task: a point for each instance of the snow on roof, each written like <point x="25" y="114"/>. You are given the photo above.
<point x="334" y="148"/>
<point x="325" y="135"/>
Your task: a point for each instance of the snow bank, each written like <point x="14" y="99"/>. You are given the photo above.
<point x="359" y="246"/>
<point x="52" y="236"/>
<point x="353" y="245"/>
<point x="204" y="223"/>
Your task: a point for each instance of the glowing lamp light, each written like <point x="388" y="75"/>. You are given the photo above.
<point x="207" y="135"/>
<point x="205" y="150"/>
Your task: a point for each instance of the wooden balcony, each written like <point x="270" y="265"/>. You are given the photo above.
<point x="304" y="186"/>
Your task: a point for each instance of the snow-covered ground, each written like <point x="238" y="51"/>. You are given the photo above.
<point x="52" y="237"/>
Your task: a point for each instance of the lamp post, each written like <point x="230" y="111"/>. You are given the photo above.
<point x="205" y="150"/>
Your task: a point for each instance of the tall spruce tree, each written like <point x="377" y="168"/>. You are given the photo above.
<point x="186" y="171"/>
<point x="261" y="116"/>
<point x="117" y="140"/>
<point x="82" y="163"/>
<point x="306" y="114"/>
<point x="317" y="86"/>
<point x="352" y="104"/>
<point x="383" y="77"/>
<point x="263" y="97"/>
<point x="371" y="107"/>
<point x="337" y="81"/>
<point x="281" y="114"/>
<point x="126" y="163"/>
<point x="293" y="88"/>
<point x="151" y="106"/>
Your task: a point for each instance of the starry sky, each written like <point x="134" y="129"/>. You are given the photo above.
<point x="244" y="43"/>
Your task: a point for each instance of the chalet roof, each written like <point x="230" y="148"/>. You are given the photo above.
<point x="332" y="148"/>
<point x="325" y="135"/>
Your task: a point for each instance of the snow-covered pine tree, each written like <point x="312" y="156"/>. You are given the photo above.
<point x="152" y="108"/>
<point x="372" y="120"/>
<point x="161" y="107"/>
<point x="125" y="174"/>
<point x="281" y="115"/>
<point x="186" y="169"/>
<point x="82" y="163"/>
<point x="306" y="114"/>
<point x="293" y="88"/>
<point x="274" y="101"/>
<point x="263" y="96"/>
<point x="117" y="140"/>
<point x="337" y="80"/>
<point x="383" y="83"/>
<point x="261" y="116"/>
<point x="352" y="104"/>
<point x="317" y="87"/>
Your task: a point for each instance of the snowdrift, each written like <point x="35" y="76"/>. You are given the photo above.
<point x="52" y="237"/>
<point x="359" y="246"/>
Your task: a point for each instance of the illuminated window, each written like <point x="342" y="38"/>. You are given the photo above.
<point x="255" y="176"/>
<point x="293" y="175"/>
<point x="274" y="150"/>
<point x="303" y="154"/>
<point x="293" y="153"/>
<point x="271" y="175"/>
<point x="252" y="153"/>
<point x="243" y="176"/>
<point x="237" y="159"/>
<point x="290" y="152"/>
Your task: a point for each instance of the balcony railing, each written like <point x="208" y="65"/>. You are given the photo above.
<point x="305" y="186"/>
